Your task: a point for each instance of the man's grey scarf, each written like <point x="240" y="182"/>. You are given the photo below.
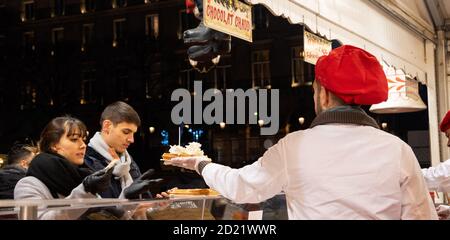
<point x="345" y="115"/>
<point x="122" y="168"/>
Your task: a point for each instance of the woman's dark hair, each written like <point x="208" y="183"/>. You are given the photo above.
<point x="119" y="112"/>
<point x="55" y="130"/>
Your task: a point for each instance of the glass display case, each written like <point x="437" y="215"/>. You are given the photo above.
<point x="174" y="208"/>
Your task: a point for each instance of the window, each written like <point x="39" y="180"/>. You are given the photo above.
<point x="152" y="26"/>
<point x="28" y="94"/>
<point x="121" y="73"/>
<point x="88" y="79"/>
<point x="221" y="75"/>
<point x="261" y="69"/>
<point x="58" y="8"/>
<point x="87" y="6"/>
<point x="260" y="17"/>
<point x="186" y="76"/>
<point x="153" y="80"/>
<point x="57" y="35"/>
<point x="119" y="31"/>
<point x="28" y="10"/>
<point x="297" y="67"/>
<point x="185" y="22"/>
<point x="118" y="3"/>
<point x="88" y="36"/>
<point x="28" y="42"/>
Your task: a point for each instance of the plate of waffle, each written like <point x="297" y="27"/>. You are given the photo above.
<point x="193" y="149"/>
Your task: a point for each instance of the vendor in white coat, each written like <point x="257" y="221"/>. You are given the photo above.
<point x="343" y="166"/>
<point x="438" y="177"/>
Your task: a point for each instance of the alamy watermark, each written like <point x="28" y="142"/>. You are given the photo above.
<point x="257" y="103"/>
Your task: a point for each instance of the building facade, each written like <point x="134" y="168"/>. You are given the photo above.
<point x="76" y="57"/>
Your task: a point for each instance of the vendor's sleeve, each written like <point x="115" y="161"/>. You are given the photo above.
<point x="438" y="177"/>
<point x="253" y="183"/>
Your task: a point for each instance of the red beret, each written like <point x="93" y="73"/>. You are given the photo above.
<point x="445" y="124"/>
<point x="353" y="75"/>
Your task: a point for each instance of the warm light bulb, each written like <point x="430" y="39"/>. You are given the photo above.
<point x="260" y="122"/>
<point x="301" y="120"/>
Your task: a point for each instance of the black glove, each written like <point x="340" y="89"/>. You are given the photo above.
<point x="141" y="185"/>
<point x="98" y="182"/>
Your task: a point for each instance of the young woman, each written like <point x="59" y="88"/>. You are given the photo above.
<point x="55" y="172"/>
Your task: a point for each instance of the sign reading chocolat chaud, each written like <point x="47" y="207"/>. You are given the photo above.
<point x="231" y="17"/>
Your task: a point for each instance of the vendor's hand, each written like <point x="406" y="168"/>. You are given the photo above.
<point x="190" y="163"/>
<point x="98" y="181"/>
<point x="141" y="185"/>
<point x="443" y="211"/>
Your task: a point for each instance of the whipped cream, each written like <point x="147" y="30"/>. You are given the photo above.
<point x="192" y="149"/>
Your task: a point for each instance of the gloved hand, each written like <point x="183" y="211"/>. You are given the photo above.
<point x="141" y="185"/>
<point x="98" y="181"/>
<point x="443" y="211"/>
<point x="190" y="163"/>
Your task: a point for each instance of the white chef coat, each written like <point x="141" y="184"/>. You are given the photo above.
<point x="333" y="171"/>
<point x="438" y="177"/>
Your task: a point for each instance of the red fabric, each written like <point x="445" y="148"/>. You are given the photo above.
<point x="445" y="124"/>
<point x="190" y="6"/>
<point x="353" y="75"/>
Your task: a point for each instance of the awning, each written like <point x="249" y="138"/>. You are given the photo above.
<point x="363" y="24"/>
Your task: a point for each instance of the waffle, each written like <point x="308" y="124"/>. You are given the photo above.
<point x="194" y="191"/>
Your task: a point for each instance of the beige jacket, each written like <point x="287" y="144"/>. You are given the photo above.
<point x="32" y="188"/>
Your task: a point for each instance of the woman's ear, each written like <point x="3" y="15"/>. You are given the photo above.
<point x="55" y="148"/>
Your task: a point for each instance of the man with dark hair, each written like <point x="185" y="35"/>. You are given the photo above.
<point x="19" y="158"/>
<point x="119" y="121"/>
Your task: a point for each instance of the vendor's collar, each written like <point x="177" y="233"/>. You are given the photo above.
<point x="345" y="114"/>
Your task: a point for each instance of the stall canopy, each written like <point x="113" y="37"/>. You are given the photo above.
<point x="397" y="32"/>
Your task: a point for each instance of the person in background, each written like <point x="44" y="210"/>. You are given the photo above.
<point x="438" y="177"/>
<point x="18" y="159"/>
<point x="55" y="173"/>
<point x="343" y="166"/>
